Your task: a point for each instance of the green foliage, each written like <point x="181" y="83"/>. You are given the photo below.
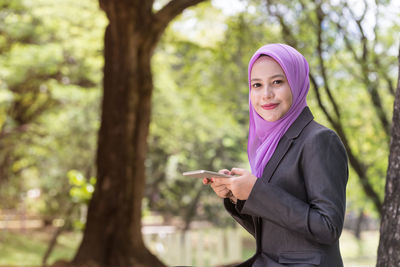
<point x="82" y="188"/>
<point x="200" y="116"/>
<point x="80" y="193"/>
<point x="50" y="74"/>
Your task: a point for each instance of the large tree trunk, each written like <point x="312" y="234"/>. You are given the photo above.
<point x="389" y="243"/>
<point x="112" y="235"/>
<point x="113" y="228"/>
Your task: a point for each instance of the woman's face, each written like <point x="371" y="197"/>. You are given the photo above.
<point x="270" y="92"/>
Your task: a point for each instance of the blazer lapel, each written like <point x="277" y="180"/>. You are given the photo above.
<point x="286" y="141"/>
<point x="281" y="149"/>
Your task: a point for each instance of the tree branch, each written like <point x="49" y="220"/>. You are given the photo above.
<point x="286" y="30"/>
<point x="170" y="11"/>
<point x="357" y="165"/>
<point x="376" y="26"/>
<point x="320" y="16"/>
<point x="359" y="21"/>
<point x="349" y="45"/>
<point x="371" y="86"/>
<point x="377" y="60"/>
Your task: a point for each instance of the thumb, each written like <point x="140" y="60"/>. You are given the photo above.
<point x="238" y="171"/>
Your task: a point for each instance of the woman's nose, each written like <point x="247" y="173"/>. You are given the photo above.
<point x="268" y="93"/>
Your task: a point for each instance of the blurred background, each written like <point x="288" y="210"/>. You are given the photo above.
<point x="51" y="69"/>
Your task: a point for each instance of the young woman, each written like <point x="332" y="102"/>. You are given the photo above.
<point x="293" y="200"/>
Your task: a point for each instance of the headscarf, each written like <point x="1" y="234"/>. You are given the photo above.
<point x="264" y="136"/>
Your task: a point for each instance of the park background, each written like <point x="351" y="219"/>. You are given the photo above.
<point x="51" y="71"/>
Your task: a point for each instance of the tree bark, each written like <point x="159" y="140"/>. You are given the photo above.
<point x="112" y="236"/>
<point x="389" y="243"/>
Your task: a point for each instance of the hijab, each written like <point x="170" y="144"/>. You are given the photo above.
<point x="264" y="136"/>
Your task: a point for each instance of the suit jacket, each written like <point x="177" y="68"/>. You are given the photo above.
<point x="296" y="209"/>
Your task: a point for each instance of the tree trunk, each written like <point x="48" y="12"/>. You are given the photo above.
<point x="112" y="236"/>
<point x="389" y="243"/>
<point x="113" y="232"/>
<point x="359" y="223"/>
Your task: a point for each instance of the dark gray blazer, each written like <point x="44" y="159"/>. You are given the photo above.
<point x="296" y="209"/>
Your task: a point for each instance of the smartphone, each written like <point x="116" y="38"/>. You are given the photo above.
<point x="205" y="174"/>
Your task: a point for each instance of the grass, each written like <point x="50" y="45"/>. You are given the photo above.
<point x="27" y="248"/>
<point x="359" y="253"/>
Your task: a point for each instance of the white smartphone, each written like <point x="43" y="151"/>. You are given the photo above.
<point x="205" y="174"/>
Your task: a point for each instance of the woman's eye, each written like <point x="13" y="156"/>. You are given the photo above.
<point x="256" y="85"/>
<point x="277" y="82"/>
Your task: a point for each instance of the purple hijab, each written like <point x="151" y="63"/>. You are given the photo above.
<point x="264" y="136"/>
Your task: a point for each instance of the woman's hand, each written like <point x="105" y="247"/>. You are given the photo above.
<point x="220" y="190"/>
<point x="240" y="186"/>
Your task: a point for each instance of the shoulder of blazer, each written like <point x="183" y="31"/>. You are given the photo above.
<point x="284" y="144"/>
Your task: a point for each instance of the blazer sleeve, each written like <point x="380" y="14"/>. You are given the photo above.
<point x="325" y="172"/>
<point x="243" y="219"/>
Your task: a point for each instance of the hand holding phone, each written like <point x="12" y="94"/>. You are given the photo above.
<point x="220" y="190"/>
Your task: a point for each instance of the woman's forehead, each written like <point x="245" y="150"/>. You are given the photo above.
<point x="266" y="63"/>
<point x="263" y="58"/>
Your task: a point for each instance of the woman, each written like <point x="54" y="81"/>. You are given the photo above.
<point x="293" y="201"/>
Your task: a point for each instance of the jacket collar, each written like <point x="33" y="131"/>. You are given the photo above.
<point x="286" y="141"/>
<point x="298" y="125"/>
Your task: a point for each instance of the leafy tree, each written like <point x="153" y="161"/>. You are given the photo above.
<point x="24" y="92"/>
<point x="49" y="77"/>
<point x="113" y="229"/>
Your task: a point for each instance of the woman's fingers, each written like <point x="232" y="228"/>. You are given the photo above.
<point x="238" y="171"/>
<point x="222" y="181"/>
<point x="217" y="186"/>
<point x="239" y="187"/>
<point x="220" y="190"/>
<point x="224" y="171"/>
<point x="225" y="193"/>
<point x="207" y="181"/>
<point x="221" y="186"/>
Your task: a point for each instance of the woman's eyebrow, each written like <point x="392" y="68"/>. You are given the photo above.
<point x="277" y="75"/>
<point x="272" y="77"/>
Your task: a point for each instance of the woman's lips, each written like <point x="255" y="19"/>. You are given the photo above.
<point x="269" y="106"/>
